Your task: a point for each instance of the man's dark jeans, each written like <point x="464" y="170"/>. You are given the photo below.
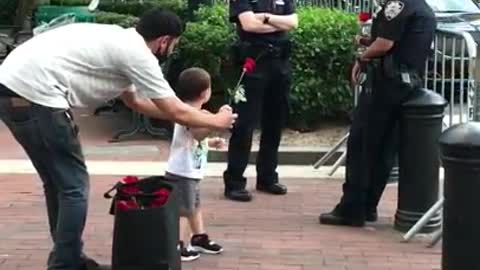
<point x="49" y="137"/>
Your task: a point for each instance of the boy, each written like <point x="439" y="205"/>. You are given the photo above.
<point x="186" y="164"/>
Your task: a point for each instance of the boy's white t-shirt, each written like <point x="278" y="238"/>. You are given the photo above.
<point x="188" y="157"/>
<point x="82" y="65"/>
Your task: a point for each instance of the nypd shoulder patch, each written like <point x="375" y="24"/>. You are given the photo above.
<point x="393" y="8"/>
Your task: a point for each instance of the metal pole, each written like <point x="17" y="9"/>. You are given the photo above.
<point x="436" y="238"/>
<point x="330" y="153"/>
<point x="338" y="163"/>
<point x="424" y="220"/>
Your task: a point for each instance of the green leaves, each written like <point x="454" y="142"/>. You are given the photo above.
<point x="136" y="8"/>
<point x="206" y="43"/>
<point x="323" y="50"/>
<point x="115" y="18"/>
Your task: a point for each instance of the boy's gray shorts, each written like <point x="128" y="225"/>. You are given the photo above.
<point x="188" y="193"/>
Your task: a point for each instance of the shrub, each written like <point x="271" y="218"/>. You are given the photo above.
<point x="69" y="2"/>
<point x="115" y="18"/>
<point x="7" y="11"/>
<point x="323" y="51"/>
<point x="136" y="8"/>
<point x="206" y="43"/>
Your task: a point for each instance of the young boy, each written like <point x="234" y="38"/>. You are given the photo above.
<point x="186" y="164"/>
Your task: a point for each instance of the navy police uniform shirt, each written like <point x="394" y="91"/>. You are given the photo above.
<point x="277" y="7"/>
<point x="411" y="25"/>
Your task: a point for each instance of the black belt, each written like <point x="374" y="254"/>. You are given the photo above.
<point x="268" y="50"/>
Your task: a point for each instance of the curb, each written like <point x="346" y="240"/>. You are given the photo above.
<point x="287" y="155"/>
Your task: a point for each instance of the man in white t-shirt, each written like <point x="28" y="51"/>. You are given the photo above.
<point x="82" y="65"/>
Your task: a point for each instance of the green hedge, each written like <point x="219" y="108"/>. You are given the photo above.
<point x="69" y="2"/>
<point x="123" y="20"/>
<point x="323" y="49"/>
<point x="7" y="11"/>
<point x="136" y="8"/>
<point x="206" y="43"/>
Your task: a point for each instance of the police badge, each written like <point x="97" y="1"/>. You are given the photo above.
<point x="392" y="9"/>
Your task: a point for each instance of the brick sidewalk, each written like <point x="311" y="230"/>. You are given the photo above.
<point x="270" y="233"/>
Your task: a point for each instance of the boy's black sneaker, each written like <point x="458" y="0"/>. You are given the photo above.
<point x="201" y="243"/>
<point x="188" y="255"/>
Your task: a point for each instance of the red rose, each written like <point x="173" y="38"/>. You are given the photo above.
<point x="249" y="65"/>
<point x="132" y="189"/>
<point x="363" y="16"/>
<point x="129" y="179"/>
<point x="127" y="205"/>
<point x="161" y="197"/>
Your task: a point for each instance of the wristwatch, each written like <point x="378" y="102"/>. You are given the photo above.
<point x="266" y="18"/>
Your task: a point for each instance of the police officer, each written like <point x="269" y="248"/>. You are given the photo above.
<point x="262" y="27"/>
<point x="402" y="34"/>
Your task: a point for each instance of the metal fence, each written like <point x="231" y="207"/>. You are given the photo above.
<point x="450" y="71"/>
<point x="354" y="6"/>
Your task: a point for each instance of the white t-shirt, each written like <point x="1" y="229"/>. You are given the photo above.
<point x="188" y="157"/>
<point x="83" y="64"/>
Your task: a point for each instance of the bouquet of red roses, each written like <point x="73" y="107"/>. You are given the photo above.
<point x="132" y="197"/>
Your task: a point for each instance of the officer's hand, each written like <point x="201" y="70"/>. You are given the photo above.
<point x="225" y="119"/>
<point x="358" y="39"/>
<point x="355" y="72"/>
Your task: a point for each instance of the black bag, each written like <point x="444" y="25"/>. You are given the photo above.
<point x="145" y="239"/>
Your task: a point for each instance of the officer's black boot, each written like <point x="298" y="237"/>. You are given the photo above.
<point x="345" y="215"/>
<point x="235" y="188"/>
<point x="270" y="184"/>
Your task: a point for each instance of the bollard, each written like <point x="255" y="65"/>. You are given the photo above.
<point x="420" y="128"/>
<point x="460" y="153"/>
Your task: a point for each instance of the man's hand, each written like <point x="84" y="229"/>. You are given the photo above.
<point x="184" y="114"/>
<point x="225" y="119"/>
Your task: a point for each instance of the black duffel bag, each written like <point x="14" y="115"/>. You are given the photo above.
<point x="145" y="233"/>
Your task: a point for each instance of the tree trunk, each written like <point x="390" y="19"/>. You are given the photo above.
<point x="24" y="13"/>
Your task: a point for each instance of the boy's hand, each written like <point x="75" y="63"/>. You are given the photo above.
<point x="216" y="142"/>
<point x="225" y="108"/>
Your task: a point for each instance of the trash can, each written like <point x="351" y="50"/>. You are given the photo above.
<point x="145" y="233"/>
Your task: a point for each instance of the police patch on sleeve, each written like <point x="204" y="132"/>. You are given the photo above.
<point x="392" y="9"/>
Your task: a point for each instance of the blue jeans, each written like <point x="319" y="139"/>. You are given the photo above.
<point x="50" y="138"/>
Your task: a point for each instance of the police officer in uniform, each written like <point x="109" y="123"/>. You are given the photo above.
<point x="402" y="35"/>
<point x="262" y="27"/>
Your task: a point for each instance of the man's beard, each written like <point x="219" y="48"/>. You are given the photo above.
<point x="162" y="57"/>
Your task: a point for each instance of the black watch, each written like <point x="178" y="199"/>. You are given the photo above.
<point x="266" y="19"/>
